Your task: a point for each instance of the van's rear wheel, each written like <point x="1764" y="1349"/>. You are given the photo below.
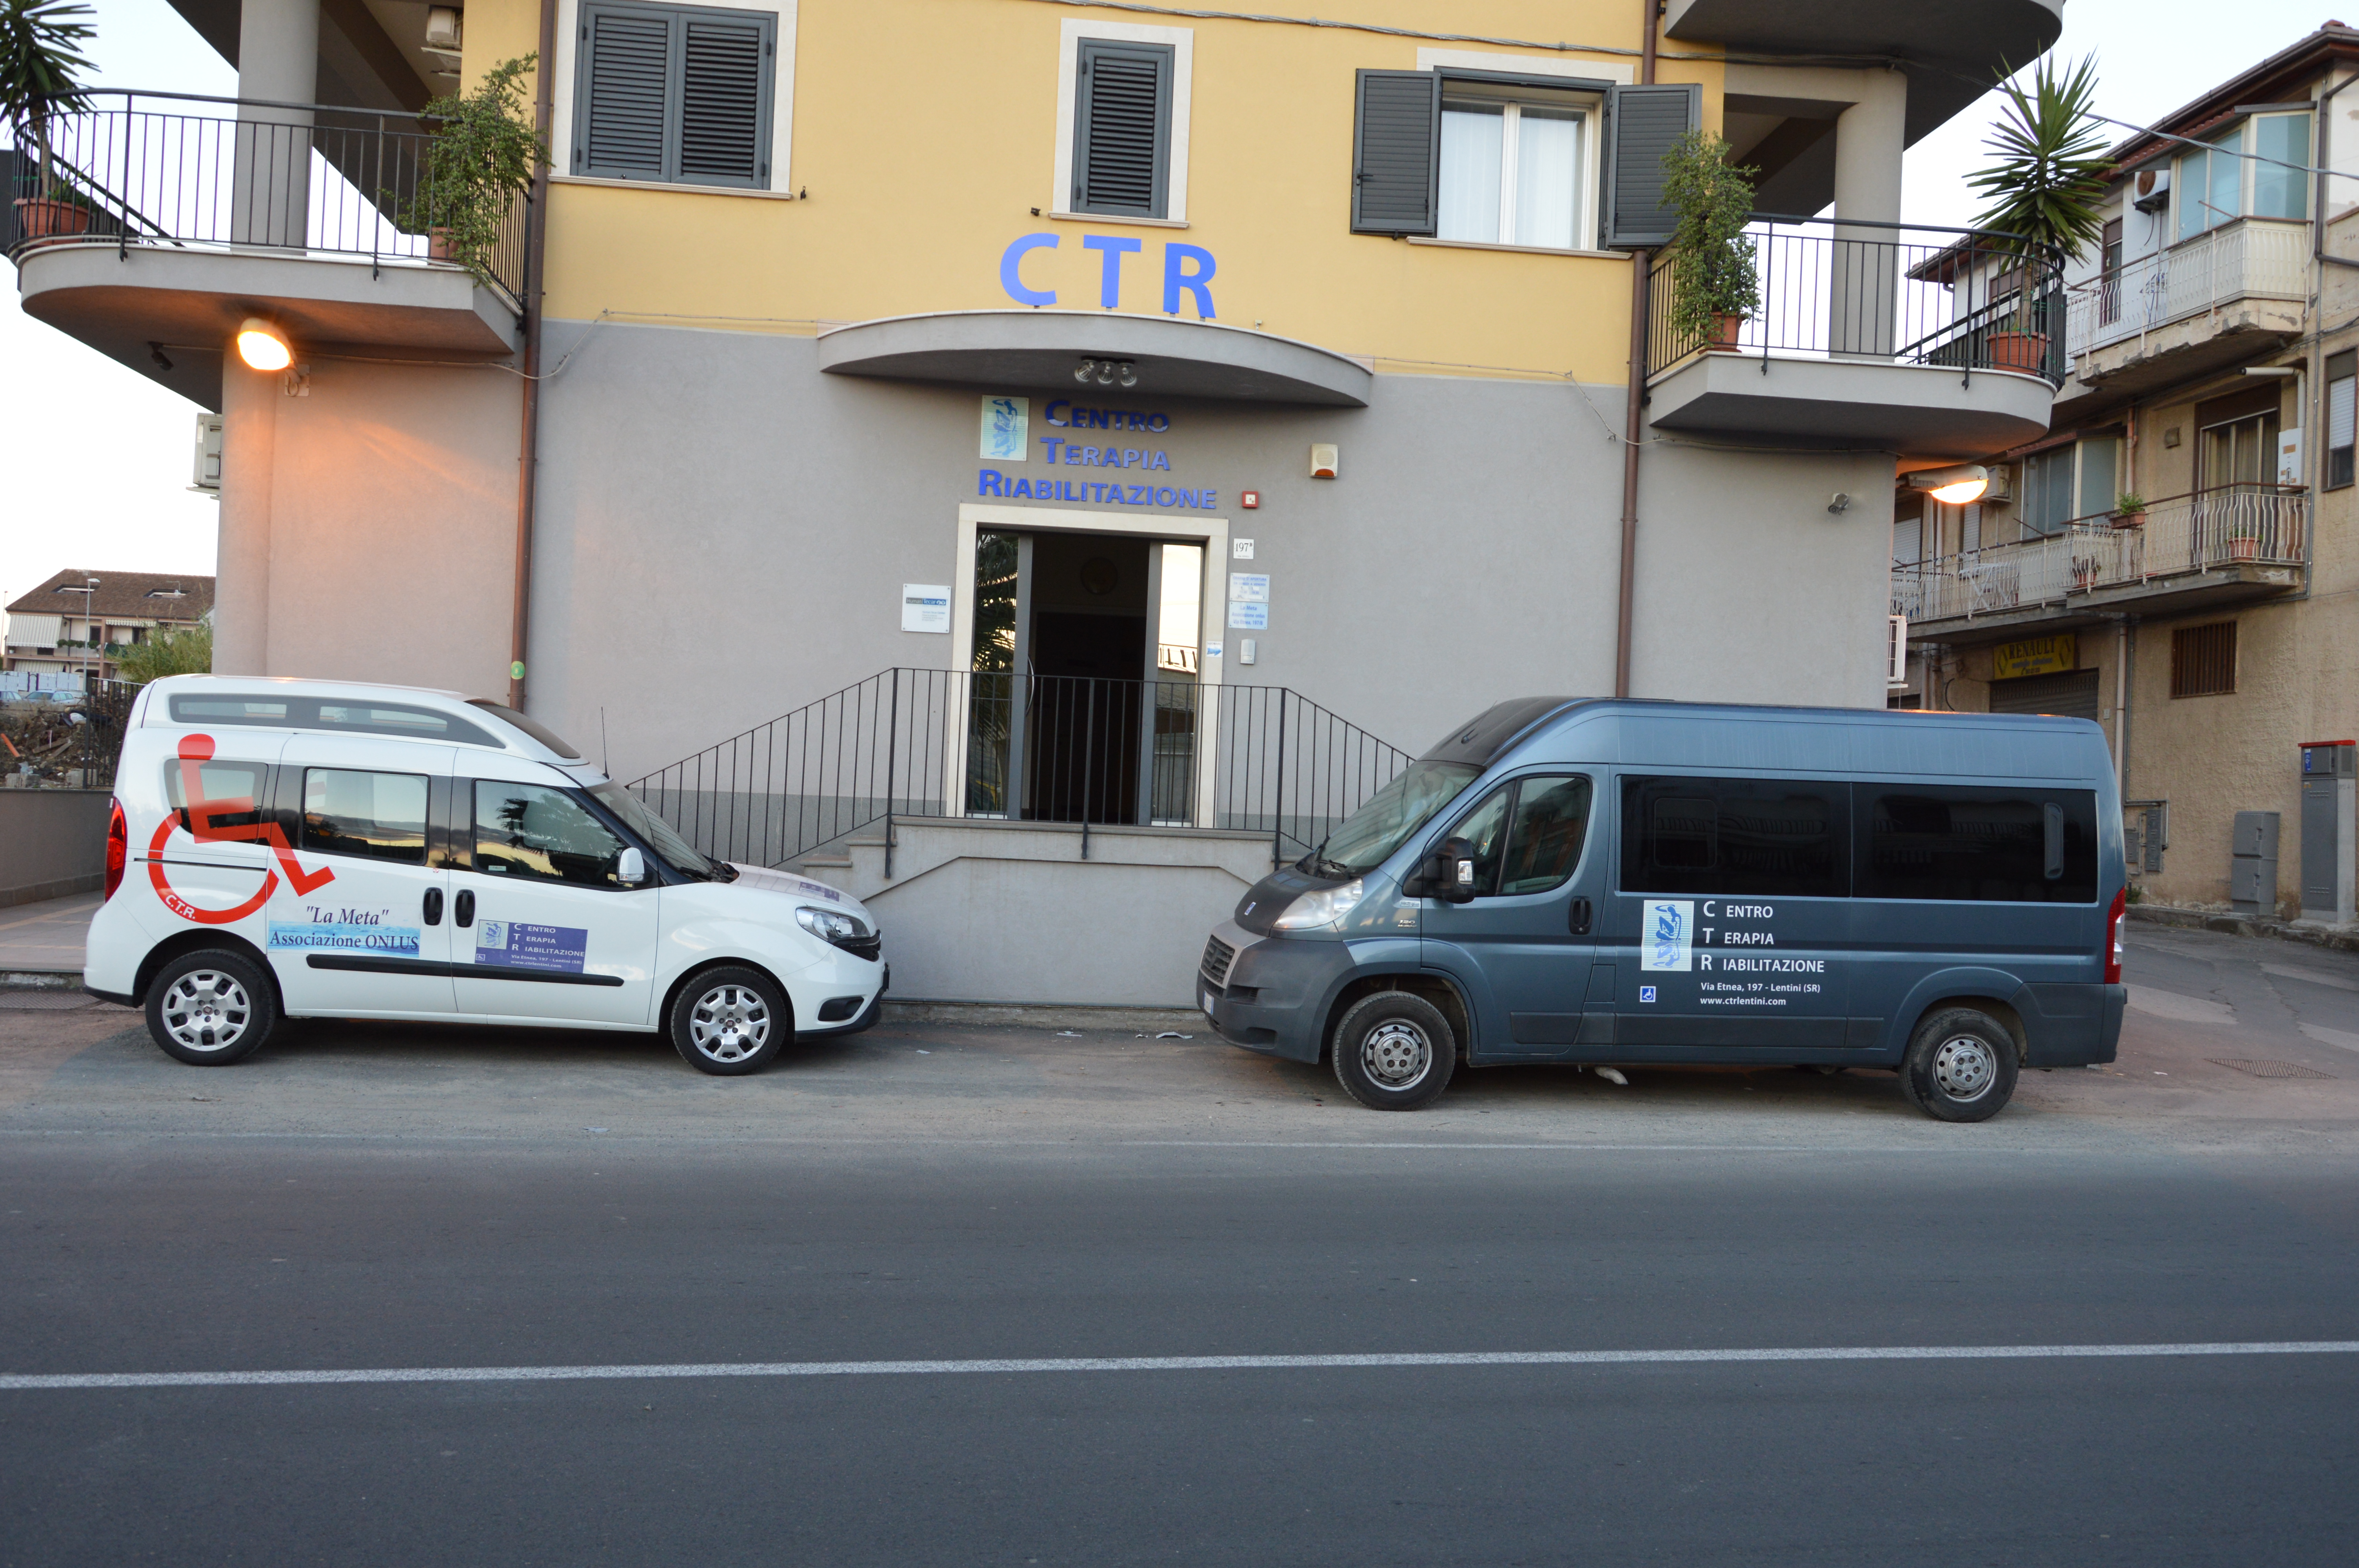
<point x="1961" y="1066"/>
<point x="211" y="1007"/>
<point x="730" y="1021"/>
<point x="1395" y="1051"/>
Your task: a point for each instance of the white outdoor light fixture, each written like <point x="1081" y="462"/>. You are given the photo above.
<point x="261" y="346"/>
<point x="1955" y="486"/>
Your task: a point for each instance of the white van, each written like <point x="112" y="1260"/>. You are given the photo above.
<point x="306" y="849"/>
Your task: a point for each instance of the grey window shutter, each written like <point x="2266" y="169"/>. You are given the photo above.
<point x="723" y="133"/>
<point x="618" y="117"/>
<point x="1122" y="128"/>
<point x="1396" y="153"/>
<point x="676" y="93"/>
<point x="1643" y="122"/>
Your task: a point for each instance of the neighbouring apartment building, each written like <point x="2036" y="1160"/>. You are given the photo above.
<point x="2212" y="624"/>
<point x="1253" y="365"/>
<point x="79" y="622"/>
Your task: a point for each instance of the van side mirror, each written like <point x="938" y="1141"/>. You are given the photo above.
<point x="1447" y="873"/>
<point x="632" y="868"/>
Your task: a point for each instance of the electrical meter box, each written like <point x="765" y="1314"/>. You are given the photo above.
<point x="2253" y="867"/>
<point x="2329" y="776"/>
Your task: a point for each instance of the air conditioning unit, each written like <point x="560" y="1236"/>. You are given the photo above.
<point x="2002" y="484"/>
<point x="206" y="477"/>
<point x="2150" y="189"/>
<point x="1896" y="652"/>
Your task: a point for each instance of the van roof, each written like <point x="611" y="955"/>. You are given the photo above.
<point x="506" y="729"/>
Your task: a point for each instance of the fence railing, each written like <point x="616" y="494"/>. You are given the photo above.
<point x="246" y="175"/>
<point x="2251" y="257"/>
<point x="955" y="743"/>
<point x="1887" y="292"/>
<point x="52" y="740"/>
<point x="2239" y="524"/>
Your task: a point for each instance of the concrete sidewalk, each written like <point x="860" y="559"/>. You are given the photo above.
<point x="40" y="944"/>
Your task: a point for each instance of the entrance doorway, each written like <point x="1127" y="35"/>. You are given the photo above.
<point x="1083" y="706"/>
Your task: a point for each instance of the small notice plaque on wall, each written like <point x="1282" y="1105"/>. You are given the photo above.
<point x="925" y="607"/>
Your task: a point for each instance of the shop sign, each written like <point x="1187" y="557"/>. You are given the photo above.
<point x="2036" y="657"/>
<point x="1096" y="493"/>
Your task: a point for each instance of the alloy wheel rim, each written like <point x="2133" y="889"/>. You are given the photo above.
<point x="207" y="1011"/>
<point x="729" y="1023"/>
<point x="1397" y="1054"/>
<point x="1965" y="1067"/>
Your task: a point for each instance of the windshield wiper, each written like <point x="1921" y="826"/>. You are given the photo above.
<point x="1321" y="866"/>
<point x="719" y="871"/>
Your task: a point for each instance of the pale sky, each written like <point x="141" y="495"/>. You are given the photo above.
<point x="97" y="456"/>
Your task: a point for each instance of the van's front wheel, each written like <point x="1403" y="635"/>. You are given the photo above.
<point x="730" y="1021"/>
<point x="1959" y="1066"/>
<point x="1393" y="1050"/>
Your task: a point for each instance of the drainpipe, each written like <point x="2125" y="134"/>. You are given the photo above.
<point x="1633" y="414"/>
<point x="528" y="444"/>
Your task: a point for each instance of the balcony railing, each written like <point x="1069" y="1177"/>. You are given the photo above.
<point x="954" y="743"/>
<point x="2250" y="258"/>
<point x="244" y="175"/>
<point x="1880" y="292"/>
<point x="2236" y="525"/>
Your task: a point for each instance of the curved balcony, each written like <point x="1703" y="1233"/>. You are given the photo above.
<point x="1868" y="335"/>
<point x="154" y="229"/>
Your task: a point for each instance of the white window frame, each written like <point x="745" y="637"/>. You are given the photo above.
<point x="1585" y="223"/>
<point x="2248" y="167"/>
<point x="1182" y="43"/>
<point x="782" y="104"/>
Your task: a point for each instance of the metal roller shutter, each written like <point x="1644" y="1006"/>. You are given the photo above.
<point x="2072" y="695"/>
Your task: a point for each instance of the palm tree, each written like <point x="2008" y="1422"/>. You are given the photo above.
<point x="2048" y="189"/>
<point x="39" y="55"/>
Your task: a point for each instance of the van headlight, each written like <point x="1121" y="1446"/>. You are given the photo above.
<point x="830" y="925"/>
<point x="1316" y="911"/>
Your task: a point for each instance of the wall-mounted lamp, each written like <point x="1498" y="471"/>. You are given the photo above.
<point x="155" y="353"/>
<point x="1957" y="485"/>
<point x="1106" y="373"/>
<point x="261" y="346"/>
<point x="1840" y="505"/>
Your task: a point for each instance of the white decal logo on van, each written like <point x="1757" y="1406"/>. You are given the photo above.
<point x="1668" y="934"/>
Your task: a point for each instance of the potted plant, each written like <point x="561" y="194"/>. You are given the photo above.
<point x="2046" y="193"/>
<point x="1716" y="283"/>
<point x="2129" y="510"/>
<point x="39" y="55"/>
<point x="478" y="165"/>
<point x="2244" y="542"/>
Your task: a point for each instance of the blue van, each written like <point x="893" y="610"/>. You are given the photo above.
<point x="1577" y="881"/>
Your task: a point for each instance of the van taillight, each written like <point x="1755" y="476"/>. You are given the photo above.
<point x="2113" y="937"/>
<point x="118" y="845"/>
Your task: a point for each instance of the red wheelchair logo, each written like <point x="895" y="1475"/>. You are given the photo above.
<point x="201" y="815"/>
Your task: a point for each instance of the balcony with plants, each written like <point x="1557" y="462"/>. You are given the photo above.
<point x="151" y="224"/>
<point x="2181" y="554"/>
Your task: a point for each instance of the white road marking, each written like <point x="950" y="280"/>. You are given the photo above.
<point x="37" y="1381"/>
<point x="2185" y="1009"/>
<point x="2325" y="1036"/>
<point x="2315" y="977"/>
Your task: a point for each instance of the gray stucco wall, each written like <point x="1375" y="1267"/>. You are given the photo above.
<point x="724" y="531"/>
<point x="53" y="842"/>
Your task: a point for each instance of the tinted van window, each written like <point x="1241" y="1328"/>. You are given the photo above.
<point x="1773" y="837"/>
<point x="529" y="830"/>
<point x="332" y="714"/>
<point x="1544" y="843"/>
<point x="1957" y="841"/>
<point x="381" y="816"/>
<point x="235" y="783"/>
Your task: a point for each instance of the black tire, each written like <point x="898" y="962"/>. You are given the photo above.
<point x="730" y="1021"/>
<point x="1961" y="1066"/>
<point x="212" y="1007"/>
<point x="1393" y="1050"/>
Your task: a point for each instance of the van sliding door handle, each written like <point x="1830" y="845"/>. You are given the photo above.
<point x="463" y="910"/>
<point x="1579" y="918"/>
<point x="434" y="906"/>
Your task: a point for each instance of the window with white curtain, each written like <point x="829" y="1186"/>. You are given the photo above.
<point x="1515" y="170"/>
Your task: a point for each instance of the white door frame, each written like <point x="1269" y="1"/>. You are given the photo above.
<point x="1214" y="532"/>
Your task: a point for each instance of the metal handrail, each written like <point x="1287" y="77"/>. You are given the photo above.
<point x="932" y="743"/>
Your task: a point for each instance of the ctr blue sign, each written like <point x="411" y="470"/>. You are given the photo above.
<point x="1187" y="269"/>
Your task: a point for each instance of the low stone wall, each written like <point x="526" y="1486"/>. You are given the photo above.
<point x="2344" y="938"/>
<point x="52" y="843"/>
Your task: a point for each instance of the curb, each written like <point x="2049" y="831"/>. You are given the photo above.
<point x="40" y="979"/>
<point x="2342" y="940"/>
<point x="1051" y="1015"/>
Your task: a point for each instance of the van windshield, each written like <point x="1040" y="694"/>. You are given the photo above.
<point x="660" y="835"/>
<point x="1363" y="840"/>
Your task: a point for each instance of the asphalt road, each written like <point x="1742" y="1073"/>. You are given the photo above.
<point x="378" y="1199"/>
